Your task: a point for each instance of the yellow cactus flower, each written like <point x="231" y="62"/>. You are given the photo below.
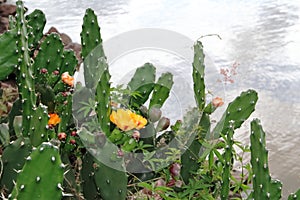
<point x="138" y="120"/>
<point x="67" y="79"/>
<point x="127" y="120"/>
<point x="54" y="119"/>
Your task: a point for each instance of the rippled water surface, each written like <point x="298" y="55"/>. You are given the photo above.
<point x="261" y="38"/>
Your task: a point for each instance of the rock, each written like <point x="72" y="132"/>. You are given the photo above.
<point x="7" y="9"/>
<point x="77" y="49"/>
<point x="4" y="23"/>
<point x="65" y="38"/>
<point x="52" y="30"/>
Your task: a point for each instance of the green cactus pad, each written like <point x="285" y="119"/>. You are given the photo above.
<point x="26" y="79"/>
<point x="41" y="176"/>
<point x="294" y="196"/>
<point x="38" y="123"/>
<point x="66" y="114"/>
<point x="69" y="62"/>
<point x="50" y="57"/>
<point x="9" y="57"/>
<point x="35" y="23"/>
<point x="142" y="82"/>
<point x="237" y="112"/>
<point x="112" y="183"/>
<point x="198" y="75"/>
<point x="13" y="159"/>
<point x="263" y="186"/>
<point x="103" y="107"/>
<point x="227" y="166"/>
<point x="161" y="90"/>
<point x="188" y="132"/>
<point x="90" y="35"/>
<point x="87" y="175"/>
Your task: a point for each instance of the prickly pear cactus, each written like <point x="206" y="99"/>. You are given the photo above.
<point x="237" y="112"/>
<point x="142" y="82"/>
<point x="35" y="24"/>
<point x="103" y="108"/>
<point x="26" y="79"/>
<point x="161" y="90"/>
<point x="227" y="166"/>
<point x="8" y="58"/>
<point x="13" y="159"/>
<point x="50" y="57"/>
<point x="294" y="196"/>
<point x="92" y="49"/>
<point x="87" y="175"/>
<point x="189" y="158"/>
<point x="41" y="176"/>
<point x="264" y="187"/>
<point x="90" y="34"/>
<point x="112" y="183"/>
<point x="38" y="125"/>
<point x="198" y="75"/>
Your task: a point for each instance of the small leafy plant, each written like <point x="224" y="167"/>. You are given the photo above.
<point x="63" y="140"/>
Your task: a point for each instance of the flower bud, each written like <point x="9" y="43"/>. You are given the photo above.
<point x="100" y="139"/>
<point x="72" y="141"/>
<point x="163" y="124"/>
<point x="175" y="169"/>
<point x="73" y="133"/>
<point x="154" y="114"/>
<point x="62" y="136"/>
<point x="136" y="135"/>
<point x="43" y="71"/>
<point x="55" y="72"/>
<point x="217" y="102"/>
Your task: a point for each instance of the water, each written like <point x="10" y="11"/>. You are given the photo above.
<point x="261" y="37"/>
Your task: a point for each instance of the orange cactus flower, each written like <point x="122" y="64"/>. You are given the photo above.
<point x="217" y="102"/>
<point x="54" y="119"/>
<point x="67" y="79"/>
<point x="127" y="120"/>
